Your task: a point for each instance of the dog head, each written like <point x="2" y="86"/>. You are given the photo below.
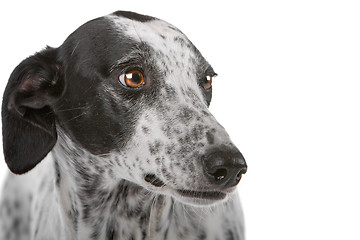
<point x="131" y="90"/>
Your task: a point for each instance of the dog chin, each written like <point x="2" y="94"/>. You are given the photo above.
<point x="194" y="198"/>
<point x="200" y="199"/>
<point x="186" y="196"/>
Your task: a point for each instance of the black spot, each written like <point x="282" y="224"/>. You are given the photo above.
<point x="173" y="28"/>
<point x="16" y="225"/>
<point x="151" y="178"/>
<point x="202" y="235"/>
<point x="134" y="16"/>
<point x="73" y="213"/>
<point x="180" y="40"/>
<point x="145" y="130"/>
<point x="210" y="137"/>
<point x="205" y="113"/>
<point x="155" y="147"/>
<point x="198" y="132"/>
<point x="95" y="233"/>
<point x="200" y="145"/>
<point x="185" y="115"/>
<point x="143" y="233"/>
<point x="166" y="234"/>
<point x="38" y="224"/>
<point x="111" y="230"/>
<point x="167" y="131"/>
<point x="17" y="204"/>
<point x="229" y="235"/>
<point x="194" y="98"/>
<point x="144" y="219"/>
<point x="170" y="149"/>
<point x="191" y="167"/>
<point x="170" y="92"/>
<point x="57" y="173"/>
<point x="5" y="208"/>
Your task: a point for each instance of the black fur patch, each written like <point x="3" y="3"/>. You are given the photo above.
<point x="28" y="123"/>
<point x="94" y="109"/>
<point x="134" y="16"/>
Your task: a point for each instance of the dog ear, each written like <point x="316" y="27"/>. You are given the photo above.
<point x="28" y="121"/>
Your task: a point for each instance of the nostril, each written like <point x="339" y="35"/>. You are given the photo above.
<point x="238" y="176"/>
<point x="219" y="174"/>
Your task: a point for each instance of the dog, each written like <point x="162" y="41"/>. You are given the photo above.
<point x="115" y="127"/>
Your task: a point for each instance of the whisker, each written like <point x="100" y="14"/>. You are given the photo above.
<point x="70" y="109"/>
<point x="77" y="116"/>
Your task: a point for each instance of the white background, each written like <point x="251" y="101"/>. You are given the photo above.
<point x="287" y="92"/>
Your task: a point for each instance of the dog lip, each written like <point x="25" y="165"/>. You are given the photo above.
<point x="153" y="180"/>
<point x="201" y="195"/>
<point x="208" y="195"/>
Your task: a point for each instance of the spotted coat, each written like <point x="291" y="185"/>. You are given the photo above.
<point x="115" y="162"/>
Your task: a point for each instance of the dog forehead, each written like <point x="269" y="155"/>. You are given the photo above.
<point x="154" y="32"/>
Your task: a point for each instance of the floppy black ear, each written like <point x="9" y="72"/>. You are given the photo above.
<point x="28" y="121"/>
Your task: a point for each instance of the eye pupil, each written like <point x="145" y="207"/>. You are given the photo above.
<point x="132" y="79"/>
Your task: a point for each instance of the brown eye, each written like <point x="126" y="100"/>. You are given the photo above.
<point x="208" y="82"/>
<point x="132" y="79"/>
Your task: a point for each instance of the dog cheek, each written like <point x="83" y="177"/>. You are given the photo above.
<point x="96" y="126"/>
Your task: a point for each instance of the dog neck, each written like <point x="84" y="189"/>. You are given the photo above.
<point x="94" y="205"/>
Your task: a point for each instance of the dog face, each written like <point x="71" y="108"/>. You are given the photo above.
<point x="133" y="92"/>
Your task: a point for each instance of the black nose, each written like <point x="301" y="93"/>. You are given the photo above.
<point x="224" y="167"/>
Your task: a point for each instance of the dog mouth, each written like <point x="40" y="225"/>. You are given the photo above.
<point x="153" y="180"/>
<point x="188" y="194"/>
